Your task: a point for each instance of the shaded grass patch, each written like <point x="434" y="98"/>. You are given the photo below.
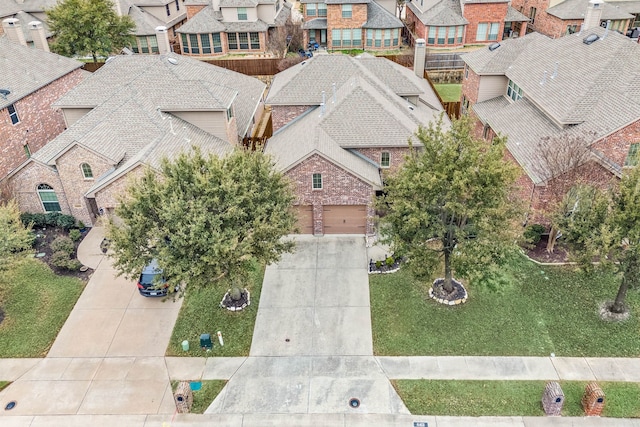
<point x="201" y="314"/>
<point x="36" y="303"/>
<point x="449" y="92"/>
<point x="510" y="398"/>
<point x="202" y="398"/>
<point x="541" y="310"/>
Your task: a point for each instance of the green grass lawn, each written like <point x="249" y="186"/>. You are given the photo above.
<point x="36" y="303"/>
<point x="202" y="398"/>
<point x="201" y="313"/>
<point x="542" y="310"/>
<point x="449" y="92"/>
<point x="4" y="384"/>
<point x="510" y="398"/>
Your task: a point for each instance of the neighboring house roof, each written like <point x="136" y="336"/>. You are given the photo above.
<point x="315" y="24"/>
<point x="11" y="7"/>
<point x="379" y="17"/>
<point x="576" y="9"/>
<point x="205" y="21"/>
<point x="631" y="7"/>
<point x="347" y="1"/>
<point x="24" y="70"/>
<point x="440" y="13"/>
<point x="514" y="16"/>
<point x="484" y="61"/>
<point x="25" y="18"/>
<point x="238" y="3"/>
<point x="149" y="2"/>
<point x="596" y="91"/>
<point x="145" y="22"/>
<point x="283" y="14"/>
<point x="240" y="26"/>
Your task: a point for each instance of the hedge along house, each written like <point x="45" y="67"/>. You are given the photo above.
<point x="127" y="116"/>
<point x="221" y="27"/>
<point x="31" y="80"/>
<point x="454" y="23"/>
<point x="341" y="124"/>
<point x="534" y="88"/>
<point x="352" y="24"/>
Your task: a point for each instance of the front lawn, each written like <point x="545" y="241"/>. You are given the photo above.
<point x="202" y="398"/>
<point x="36" y="302"/>
<point x="541" y="310"/>
<point x="510" y="398"/>
<point x="449" y="92"/>
<point x="201" y="314"/>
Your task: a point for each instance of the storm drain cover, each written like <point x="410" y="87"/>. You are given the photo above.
<point x="10" y="405"/>
<point x="354" y="403"/>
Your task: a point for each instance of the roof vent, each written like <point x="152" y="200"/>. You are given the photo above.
<point x="410" y="108"/>
<point x="590" y="38"/>
<point x="303" y="62"/>
<point x="4" y="93"/>
<point x="172" y="60"/>
<point x="494" y="46"/>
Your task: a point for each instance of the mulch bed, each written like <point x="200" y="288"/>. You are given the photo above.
<point x="44" y="237"/>
<point x="539" y="252"/>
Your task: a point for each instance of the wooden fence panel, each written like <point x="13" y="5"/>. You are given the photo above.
<point x="250" y="67"/>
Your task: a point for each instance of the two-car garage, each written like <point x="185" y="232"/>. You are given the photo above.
<point x="336" y="219"/>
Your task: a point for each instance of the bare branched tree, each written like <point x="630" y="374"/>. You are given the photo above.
<point x="287" y="38"/>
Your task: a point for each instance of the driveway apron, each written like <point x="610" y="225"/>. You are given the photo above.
<point x="312" y="348"/>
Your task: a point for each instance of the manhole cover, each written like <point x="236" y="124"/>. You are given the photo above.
<point x="10" y="405"/>
<point x="354" y="403"/>
<point x="287" y="340"/>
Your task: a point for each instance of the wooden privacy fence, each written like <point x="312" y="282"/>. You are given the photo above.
<point x="250" y="67"/>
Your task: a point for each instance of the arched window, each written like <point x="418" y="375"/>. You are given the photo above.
<point x="86" y="171"/>
<point x="48" y="198"/>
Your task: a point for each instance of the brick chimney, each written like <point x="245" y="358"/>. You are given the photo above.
<point x="13" y="30"/>
<point x="592" y="17"/>
<point x="162" y="35"/>
<point x="419" y="57"/>
<point x="38" y="35"/>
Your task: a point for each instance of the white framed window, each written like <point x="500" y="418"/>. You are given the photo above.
<point x="153" y="44"/>
<point x="336" y="37"/>
<point x="632" y="155"/>
<point x="13" y="114"/>
<point x="316" y="181"/>
<point x="217" y="43"/>
<point x="460" y="32"/>
<point x="48" y="198"/>
<point x="532" y="15"/>
<point x="385" y="159"/>
<point x="514" y="91"/>
<point x="347" y="11"/>
<point x="311" y="9"/>
<point x="242" y="14"/>
<point x="322" y="9"/>
<point x="86" y="171"/>
<point x="206" y="43"/>
<point x="431" y="38"/>
<point x="493" y="30"/>
<point x="481" y="33"/>
<point x="195" y="47"/>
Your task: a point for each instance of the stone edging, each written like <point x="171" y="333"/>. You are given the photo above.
<point x="447" y="302"/>
<point x="236" y="308"/>
<point x="385" y="272"/>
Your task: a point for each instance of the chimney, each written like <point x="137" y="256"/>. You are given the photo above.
<point x="592" y="17"/>
<point x="39" y="37"/>
<point x="420" y="57"/>
<point x="163" y="40"/>
<point x="13" y="30"/>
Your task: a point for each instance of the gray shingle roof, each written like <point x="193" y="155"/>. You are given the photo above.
<point x="11" y="7"/>
<point x="283" y="14"/>
<point x="145" y="22"/>
<point x="484" y="61"/>
<point x="315" y="24"/>
<point x="205" y="21"/>
<point x="243" y="26"/>
<point x="379" y="17"/>
<point x="238" y="3"/>
<point x="515" y="16"/>
<point x="597" y="88"/>
<point x="24" y="70"/>
<point x="576" y="9"/>
<point x="347" y="1"/>
<point x="24" y="19"/>
<point x="443" y="12"/>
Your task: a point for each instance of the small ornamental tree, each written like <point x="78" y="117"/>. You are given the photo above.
<point x="204" y="218"/>
<point x="605" y="226"/>
<point x="451" y="201"/>
<point x="89" y="27"/>
<point x="15" y="237"/>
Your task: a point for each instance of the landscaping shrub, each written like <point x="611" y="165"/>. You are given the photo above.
<point x="60" y="259"/>
<point x="65" y="222"/>
<point x="389" y="261"/>
<point x="50" y="219"/>
<point x="73" y="265"/>
<point x="75" y="234"/>
<point x="63" y="244"/>
<point x="533" y="233"/>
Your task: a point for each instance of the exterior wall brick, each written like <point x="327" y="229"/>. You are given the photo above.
<point x="194" y="9"/>
<point x="544" y="23"/>
<point x="616" y="146"/>
<point x="74" y="183"/>
<point x="419" y="29"/>
<point x="24" y="186"/>
<point x="477" y="13"/>
<point x="396" y="155"/>
<point x="39" y="122"/>
<point x="108" y="197"/>
<point x="283" y="114"/>
<point x="335" y="19"/>
<point x="470" y="85"/>
<point x="338" y="188"/>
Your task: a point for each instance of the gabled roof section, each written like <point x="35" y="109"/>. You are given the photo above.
<point x="576" y="9"/>
<point x="439" y="13"/>
<point x="145" y="22"/>
<point x="315" y="24"/>
<point x="205" y="21"/>
<point x="514" y="16"/>
<point x="379" y="17"/>
<point x="257" y="25"/>
<point x="11" y="7"/>
<point x="484" y="61"/>
<point x="24" y="19"/>
<point x="238" y="3"/>
<point x="24" y="70"/>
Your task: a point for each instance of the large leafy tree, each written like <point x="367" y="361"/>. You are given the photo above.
<point x="604" y="225"/>
<point x="15" y="238"/>
<point x="451" y="201"/>
<point x="204" y="218"/>
<point x="88" y="27"/>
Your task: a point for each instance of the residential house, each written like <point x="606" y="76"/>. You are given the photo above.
<point x="340" y="125"/>
<point x="230" y="26"/>
<point x="357" y="24"/>
<point x="31" y="80"/>
<point x="585" y="86"/>
<point x="127" y="116"/>
<point x="556" y="18"/>
<point x="454" y="23"/>
<point x="150" y="14"/>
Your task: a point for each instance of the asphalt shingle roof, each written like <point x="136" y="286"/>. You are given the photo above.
<point x="379" y="17"/>
<point x="11" y="7"/>
<point x="25" y="18"/>
<point x="315" y="24"/>
<point x="145" y="22"/>
<point x="594" y="92"/>
<point x="24" y="70"/>
<point x="205" y="21"/>
<point x="238" y="3"/>
<point x="576" y="9"/>
<point x="244" y="26"/>
<point x="515" y="16"/>
<point x="443" y="12"/>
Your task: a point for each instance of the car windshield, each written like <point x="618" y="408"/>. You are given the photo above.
<point x="149" y="279"/>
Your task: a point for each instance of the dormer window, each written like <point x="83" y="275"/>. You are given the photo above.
<point x="514" y="91"/>
<point x="242" y="14"/>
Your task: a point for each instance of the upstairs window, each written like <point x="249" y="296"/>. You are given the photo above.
<point x="514" y="91"/>
<point x="168" y="9"/>
<point x="48" y="198"/>
<point x="177" y="5"/>
<point x="385" y="159"/>
<point x="317" y="181"/>
<point x="322" y="9"/>
<point x="311" y="9"/>
<point x="346" y="11"/>
<point x="487" y="31"/>
<point x="13" y="114"/>
<point x="632" y="155"/>
<point x="532" y="15"/>
<point x="86" y="171"/>
<point x="242" y="14"/>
